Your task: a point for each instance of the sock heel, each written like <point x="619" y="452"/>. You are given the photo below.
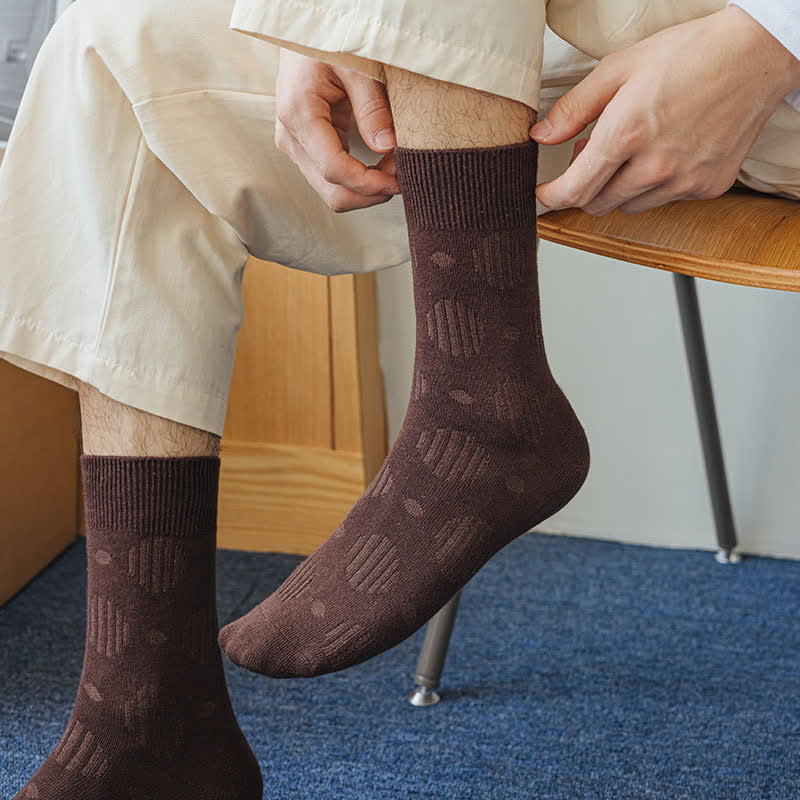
<point x="570" y="454"/>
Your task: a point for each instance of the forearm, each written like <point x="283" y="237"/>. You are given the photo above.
<point x="781" y="19"/>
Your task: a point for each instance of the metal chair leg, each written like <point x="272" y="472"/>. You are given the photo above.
<point x="697" y="358"/>
<point x="433" y="654"/>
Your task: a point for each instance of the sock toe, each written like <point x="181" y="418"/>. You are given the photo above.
<point x="255" y="643"/>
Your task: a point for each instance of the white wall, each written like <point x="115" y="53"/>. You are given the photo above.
<point x="614" y="342"/>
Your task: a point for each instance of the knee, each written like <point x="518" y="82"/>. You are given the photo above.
<point x="135" y="43"/>
<point x="81" y="33"/>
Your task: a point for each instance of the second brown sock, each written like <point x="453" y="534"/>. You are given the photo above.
<point x="490" y="447"/>
<point x="152" y="719"/>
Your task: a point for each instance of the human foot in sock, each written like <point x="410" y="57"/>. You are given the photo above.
<point x="489" y="448"/>
<point x="152" y="719"/>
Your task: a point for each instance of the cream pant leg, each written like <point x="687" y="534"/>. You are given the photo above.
<point x="140" y="174"/>
<point x="500" y="47"/>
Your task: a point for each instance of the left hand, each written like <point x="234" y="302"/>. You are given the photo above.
<point x="676" y="115"/>
<point x="316" y="106"/>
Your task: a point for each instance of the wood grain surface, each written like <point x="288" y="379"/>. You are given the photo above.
<point x="743" y="237"/>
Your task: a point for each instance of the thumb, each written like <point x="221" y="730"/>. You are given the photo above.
<point x="372" y="111"/>
<point x="582" y="104"/>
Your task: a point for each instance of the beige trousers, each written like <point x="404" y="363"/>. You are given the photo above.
<point x="142" y="172"/>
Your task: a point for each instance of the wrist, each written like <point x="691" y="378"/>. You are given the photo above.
<point x="777" y="63"/>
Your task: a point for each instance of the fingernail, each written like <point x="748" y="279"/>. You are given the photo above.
<point x="541" y="130"/>
<point x="385" y="138"/>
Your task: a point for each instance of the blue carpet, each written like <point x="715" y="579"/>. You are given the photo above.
<point x="578" y="669"/>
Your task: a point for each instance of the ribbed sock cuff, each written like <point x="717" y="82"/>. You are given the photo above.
<point x="151" y="496"/>
<point x="485" y="188"/>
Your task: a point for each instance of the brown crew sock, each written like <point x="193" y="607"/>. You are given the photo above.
<point x="152" y="719"/>
<point x="489" y="448"/>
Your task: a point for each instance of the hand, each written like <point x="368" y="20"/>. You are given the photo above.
<point x="317" y="106"/>
<point x="676" y="115"/>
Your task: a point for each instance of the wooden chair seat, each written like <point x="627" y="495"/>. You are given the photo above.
<point x="742" y="237"/>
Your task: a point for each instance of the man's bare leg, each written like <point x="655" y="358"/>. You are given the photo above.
<point x="430" y="114"/>
<point x="489" y="448"/>
<point x="152" y="716"/>
<point x="112" y="428"/>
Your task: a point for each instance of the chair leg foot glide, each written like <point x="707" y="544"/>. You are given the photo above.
<point x="423" y="696"/>
<point x="726" y="556"/>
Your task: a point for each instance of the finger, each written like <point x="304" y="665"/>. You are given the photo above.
<point x="338" y="198"/>
<point x="628" y="183"/>
<point x="388" y="164"/>
<point x="343" y="138"/>
<point x="582" y="181"/>
<point x="319" y="139"/>
<point x="371" y="110"/>
<point x="665" y="193"/>
<point x="580" y="105"/>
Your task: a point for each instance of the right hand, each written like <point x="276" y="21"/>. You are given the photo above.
<point x="318" y="104"/>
